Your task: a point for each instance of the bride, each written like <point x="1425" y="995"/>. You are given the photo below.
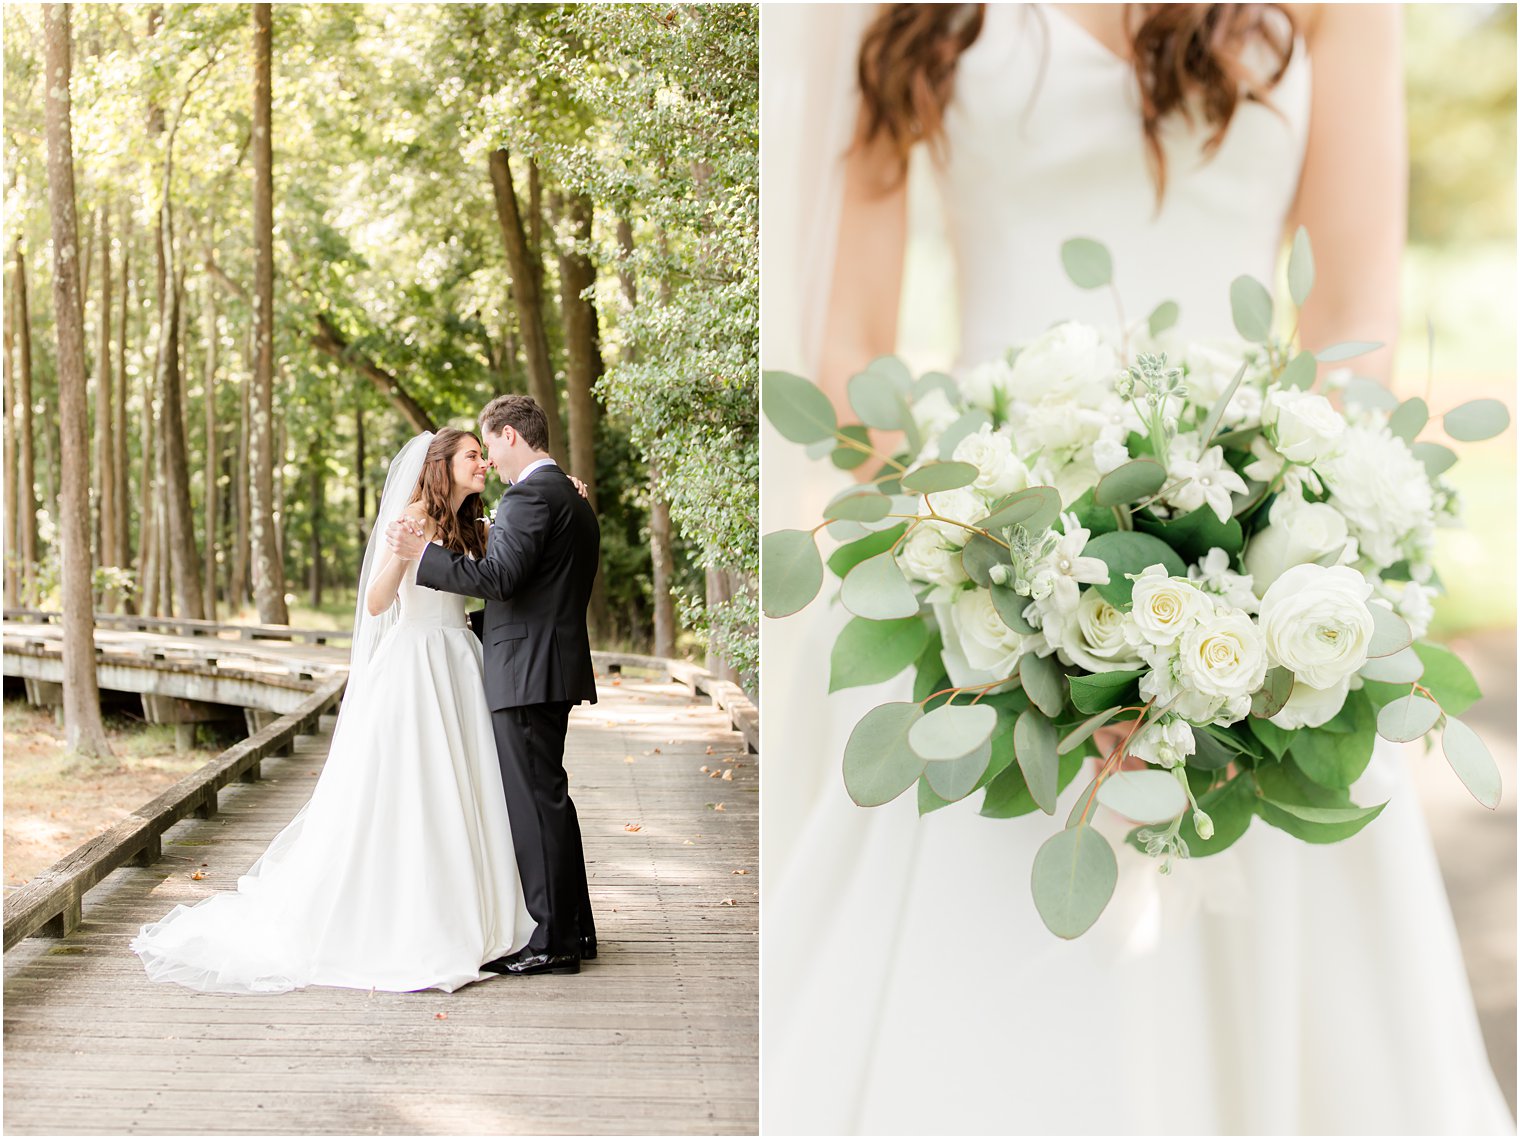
<point x="399" y="874"/>
<point x="908" y="983"/>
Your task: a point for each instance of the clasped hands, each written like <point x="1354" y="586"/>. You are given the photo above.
<point x="406" y="538"/>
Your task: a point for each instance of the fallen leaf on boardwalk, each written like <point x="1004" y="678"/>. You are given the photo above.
<point x="709" y="749"/>
<point x="688" y="842"/>
<point x="729" y="776"/>
<point x="705" y="770"/>
<point x="715" y="806"/>
<point x="713" y="774"/>
<point x="440" y="1016"/>
<point x="628" y="759"/>
<point x="633" y="826"/>
<point x="197" y="876"/>
<point x="658" y="752"/>
<point x="205" y="864"/>
<point x="738" y="871"/>
<point x="727" y="902"/>
<point x="616" y="681"/>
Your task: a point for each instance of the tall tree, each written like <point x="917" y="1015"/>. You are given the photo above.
<point x="269" y="572"/>
<point x="211" y="336"/>
<point x="105" y="404"/>
<point x="12" y="496"/>
<point x="84" y="731"/>
<point x="26" y="477"/>
<point x="122" y="554"/>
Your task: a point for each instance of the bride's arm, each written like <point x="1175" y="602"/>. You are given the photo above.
<point x="387" y="580"/>
<point x="1352" y="194"/>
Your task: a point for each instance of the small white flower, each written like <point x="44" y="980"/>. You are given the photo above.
<point x="1068" y="569"/>
<point x="1316" y="623"/>
<point x="1209" y="482"/>
<point x="1213" y="574"/>
<point x="1305" y="426"/>
<point x="1166" y="744"/>
<point x="1412" y="601"/>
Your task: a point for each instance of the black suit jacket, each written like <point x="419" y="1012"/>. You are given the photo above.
<point x="536" y="577"/>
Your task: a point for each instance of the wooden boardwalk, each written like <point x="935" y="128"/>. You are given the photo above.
<point x="657" y="1035"/>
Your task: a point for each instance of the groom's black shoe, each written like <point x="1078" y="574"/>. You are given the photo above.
<point x="588" y="949"/>
<point x="527" y="964"/>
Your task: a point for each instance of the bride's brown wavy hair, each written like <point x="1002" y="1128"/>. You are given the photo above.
<point x="1186" y="57"/>
<point x="459" y="531"/>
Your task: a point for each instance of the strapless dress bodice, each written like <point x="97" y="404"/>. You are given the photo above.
<point x="429" y="607"/>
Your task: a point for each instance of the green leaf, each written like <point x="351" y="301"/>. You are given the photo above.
<point x="929" y="382"/>
<point x="1034" y="508"/>
<point x="879" y="394"/>
<point x="928" y="801"/>
<point x="1148" y="796"/>
<point x="1129" y="482"/>
<point x="1362" y="392"/>
<point x="1409" y="419"/>
<point x="1447" y="678"/>
<point x="869" y="652"/>
<point x="796" y="407"/>
<point x="878" y="763"/>
<point x="1317" y="824"/>
<point x="1216" y="413"/>
<point x="1086" y="728"/>
<point x="1008" y="795"/>
<point x="979" y="555"/>
<point x="940" y="476"/>
<point x="877" y="589"/>
<point x="1300" y="268"/>
<point x="1402" y="667"/>
<point x="1042" y="680"/>
<point x="1010" y="606"/>
<point x="1034" y="745"/>
<point x="860" y="504"/>
<point x="1104" y="689"/>
<point x="1087" y="263"/>
<point x="1214" y="748"/>
<point x="954" y="779"/>
<point x="1300" y="372"/>
<point x="1476" y="420"/>
<point x="791" y="571"/>
<point x="1251" y="307"/>
<point x="1390" y="632"/>
<point x="952" y="731"/>
<point x="846" y="558"/>
<point x="968" y="424"/>
<point x="1437" y="459"/>
<point x="1407" y="718"/>
<point x="1273" y="738"/>
<point x="1162" y="317"/>
<point x="1193" y="535"/>
<point x="1471" y="760"/>
<point x="848" y="458"/>
<point x="1129" y="552"/>
<point x="1072" y="879"/>
<point x="1332" y="756"/>
<point x="1231" y="806"/>
<point x="1347" y="350"/>
<point x="1274" y="693"/>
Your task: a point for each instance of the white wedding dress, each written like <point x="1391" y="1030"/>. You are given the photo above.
<point x="908" y="983"/>
<point x="399" y="874"/>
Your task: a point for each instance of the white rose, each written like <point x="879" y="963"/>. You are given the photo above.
<point x="1307" y="426"/>
<point x="983" y="384"/>
<point x="933" y="413"/>
<point x="1316" y="623"/>
<point x="1382" y="490"/>
<point x="960" y="505"/>
<point x="1309" y="707"/>
<point x="1223" y="656"/>
<point x="1299" y="532"/>
<point x="978" y="644"/>
<point x="1069" y="363"/>
<point x="991" y="453"/>
<point x="926" y="557"/>
<point x="1093" y="636"/>
<point x="1109" y="451"/>
<point x="1166" y="744"/>
<point x="1162" y="608"/>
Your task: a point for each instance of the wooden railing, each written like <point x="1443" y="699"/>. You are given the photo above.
<point x="186" y="627"/>
<point x="51" y="903"/>
<point x="724" y="694"/>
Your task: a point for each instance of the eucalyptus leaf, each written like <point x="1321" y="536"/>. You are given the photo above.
<point x="979" y="555"/>
<point x="1471" y="760"/>
<point x="846" y="457"/>
<point x="860" y="504"/>
<point x="1034" y="508"/>
<point x="1362" y="392"/>
<point x="939" y="477"/>
<point x="869" y="652"/>
<point x="1086" y="728"/>
<point x="968" y="424"/>
<point x="1101" y="690"/>
<point x="847" y="557"/>
<point x="1043" y="681"/>
<point x="1216" y="413"/>
<point x="796" y="407"/>
<point x="931" y="381"/>
<point x="1317" y="824"/>
<point x="1409" y="418"/>
<point x="1087" y="263"/>
<point x="878" y="763"/>
<point x="1010" y="606"/>
<point x="1299" y="372"/>
<point x="1476" y="420"/>
<point x="1129" y="552"/>
<point x="1251" y="308"/>
<point x="1072" y="879"/>
<point x="1407" y="718"/>
<point x="877" y="401"/>
<point x="1390" y="632"/>
<point x="1148" y="796"/>
<point x="1034" y="745"/>
<point x="877" y="589"/>
<point x="1129" y="482"/>
<point x="791" y="571"/>
<point x="1273" y="694"/>
<point x="1300" y="268"/>
<point x="954" y="779"/>
<point x="1346" y="350"/>
<point x="1402" y="667"/>
<point x="952" y="731"/>
<point x="1437" y="459"/>
<point x="1162" y="317"/>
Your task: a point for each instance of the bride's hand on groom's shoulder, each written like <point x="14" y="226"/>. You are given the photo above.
<point x="580" y="487"/>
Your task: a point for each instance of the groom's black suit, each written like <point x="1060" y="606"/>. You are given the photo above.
<point x="536" y="577"/>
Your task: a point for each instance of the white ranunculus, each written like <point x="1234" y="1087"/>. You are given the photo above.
<point x="1163" y="607"/>
<point x="1382" y="490"/>
<point x="1069" y="363"/>
<point x="933" y="413"/>
<point x="991" y="453"/>
<point x="960" y="505"/>
<point x="983" y="384"/>
<point x="1223" y="656"/>
<point x="925" y="556"/>
<point x="1306" y="427"/>
<point x="1309" y="707"/>
<point x="1165" y="744"/>
<point x="1298" y="532"/>
<point x="1316" y="623"/>
<point x="1092" y="637"/>
<point x="978" y="645"/>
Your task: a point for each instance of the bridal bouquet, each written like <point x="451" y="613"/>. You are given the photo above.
<point x="1180" y="543"/>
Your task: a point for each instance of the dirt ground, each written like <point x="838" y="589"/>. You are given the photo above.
<point x="54" y="801"/>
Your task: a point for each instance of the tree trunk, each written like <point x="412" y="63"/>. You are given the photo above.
<point x="268" y="572"/>
<point x="363" y="483"/>
<point x="122" y="555"/>
<point x="720" y="588"/>
<point x="238" y="587"/>
<point x="105" y="405"/>
<point x="12" y="494"/>
<point x="660" y="554"/>
<point x="212" y="458"/>
<point x="184" y="561"/>
<point x="27" y="479"/>
<point x="84" y="732"/>
<point x="331" y="341"/>
<point x="147" y="504"/>
<point x="528" y="300"/>
<point x="316" y="493"/>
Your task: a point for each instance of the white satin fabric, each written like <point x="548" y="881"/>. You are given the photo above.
<point x="399" y="874"/>
<point x="908" y="985"/>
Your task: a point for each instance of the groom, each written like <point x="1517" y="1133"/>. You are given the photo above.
<point x="536" y="577"/>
